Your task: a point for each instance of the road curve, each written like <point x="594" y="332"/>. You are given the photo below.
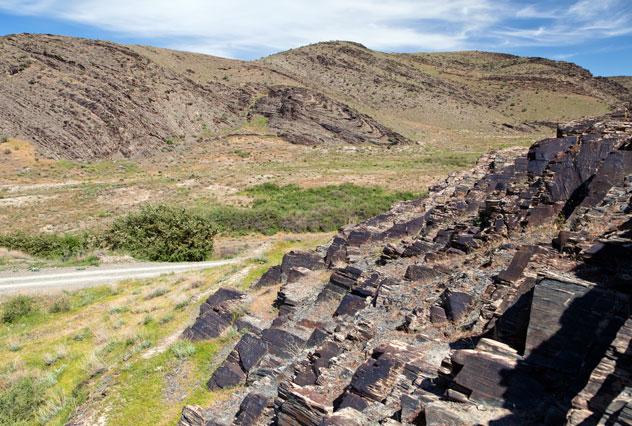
<point x="73" y="278"/>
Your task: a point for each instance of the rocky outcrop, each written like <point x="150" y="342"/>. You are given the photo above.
<point x="217" y="314"/>
<point x="82" y="99"/>
<point x="306" y="117"/>
<point x="503" y="298"/>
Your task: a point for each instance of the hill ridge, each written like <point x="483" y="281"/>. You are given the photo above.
<point x="82" y="98"/>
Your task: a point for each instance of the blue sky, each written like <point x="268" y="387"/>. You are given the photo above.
<point x="596" y="34"/>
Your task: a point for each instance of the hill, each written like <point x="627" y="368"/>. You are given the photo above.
<point x="83" y="99"/>
<point x="624" y="81"/>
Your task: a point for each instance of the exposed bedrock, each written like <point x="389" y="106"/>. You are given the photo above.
<point x="502" y="298"/>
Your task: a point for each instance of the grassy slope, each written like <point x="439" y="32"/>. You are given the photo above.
<point x="104" y="341"/>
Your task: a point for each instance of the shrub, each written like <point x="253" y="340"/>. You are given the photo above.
<point x="19" y="403"/>
<point x="82" y="335"/>
<point x="167" y="318"/>
<point x="183" y="349"/>
<point x="61" y="304"/>
<point x="49" y="246"/>
<point x="163" y="233"/>
<point x="17" y="308"/>
<point x="161" y="291"/>
<point x="51" y="358"/>
<point x="182" y="304"/>
<point x="119" y="310"/>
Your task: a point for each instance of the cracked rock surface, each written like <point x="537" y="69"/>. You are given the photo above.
<point x="502" y="298"/>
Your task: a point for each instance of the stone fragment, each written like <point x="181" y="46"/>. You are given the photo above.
<point x="209" y="325"/>
<point x="346" y="417"/>
<point x="350" y="304"/>
<point x="272" y="276"/>
<point x="215" y="315"/>
<point x="375" y="378"/>
<point x="517" y="266"/>
<point x="282" y="343"/>
<point x="457" y="304"/>
<point x="192" y="415"/>
<point x="437" y="315"/>
<point x="250" y="350"/>
<point x="421" y="272"/>
<point x="301" y="406"/>
<point x="227" y="375"/>
<point x="302" y="259"/>
<point x="252" y="409"/>
<point x="568" y="317"/>
<point x="336" y="253"/>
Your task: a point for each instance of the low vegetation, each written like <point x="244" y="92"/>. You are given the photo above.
<point x="20" y="402"/>
<point x="290" y="208"/>
<point x="169" y="233"/>
<point x="59" y="354"/>
<point x="18" y="308"/>
<point x="49" y="246"/>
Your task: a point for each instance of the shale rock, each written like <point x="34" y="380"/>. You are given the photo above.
<point x="502" y="298"/>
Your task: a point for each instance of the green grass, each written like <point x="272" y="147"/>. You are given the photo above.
<point x="173" y="233"/>
<point x="78" y="343"/>
<point x="143" y="397"/>
<point x="20" y="402"/>
<point x="291" y="208"/>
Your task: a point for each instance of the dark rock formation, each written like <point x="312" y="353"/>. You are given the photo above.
<point x="507" y="302"/>
<point x="216" y="315"/>
<point x="303" y="116"/>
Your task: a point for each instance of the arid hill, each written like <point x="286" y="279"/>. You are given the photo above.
<point x="82" y="99"/>
<point x="625" y="81"/>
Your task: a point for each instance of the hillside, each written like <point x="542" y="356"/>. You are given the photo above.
<point x="83" y="99"/>
<point x="624" y="81"/>
<point x="462" y="90"/>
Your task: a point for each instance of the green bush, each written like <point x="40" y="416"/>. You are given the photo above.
<point x="163" y="233"/>
<point x="17" y="308"/>
<point x="19" y="403"/>
<point x="50" y="246"/>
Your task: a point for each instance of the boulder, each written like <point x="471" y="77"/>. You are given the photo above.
<point x="252" y="409"/>
<point x="228" y="375"/>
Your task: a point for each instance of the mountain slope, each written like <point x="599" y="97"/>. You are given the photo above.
<point x="624" y="81"/>
<point x="471" y="90"/>
<point x="82" y="99"/>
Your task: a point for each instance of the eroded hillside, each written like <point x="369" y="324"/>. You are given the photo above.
<point x="85" y="99"/>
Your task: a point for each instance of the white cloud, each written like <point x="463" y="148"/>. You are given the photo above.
<point x="245" y="27"/>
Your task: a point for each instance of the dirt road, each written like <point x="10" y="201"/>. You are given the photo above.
<point x="72" y="278"/>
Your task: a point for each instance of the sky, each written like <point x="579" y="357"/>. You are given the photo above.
<point x="596" y="34"/>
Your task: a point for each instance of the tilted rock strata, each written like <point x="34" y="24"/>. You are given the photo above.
<point x="502" y="298"/>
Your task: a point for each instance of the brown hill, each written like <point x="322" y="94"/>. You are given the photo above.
<point x="624" y="81"/>
<point x="78" y="98"/>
